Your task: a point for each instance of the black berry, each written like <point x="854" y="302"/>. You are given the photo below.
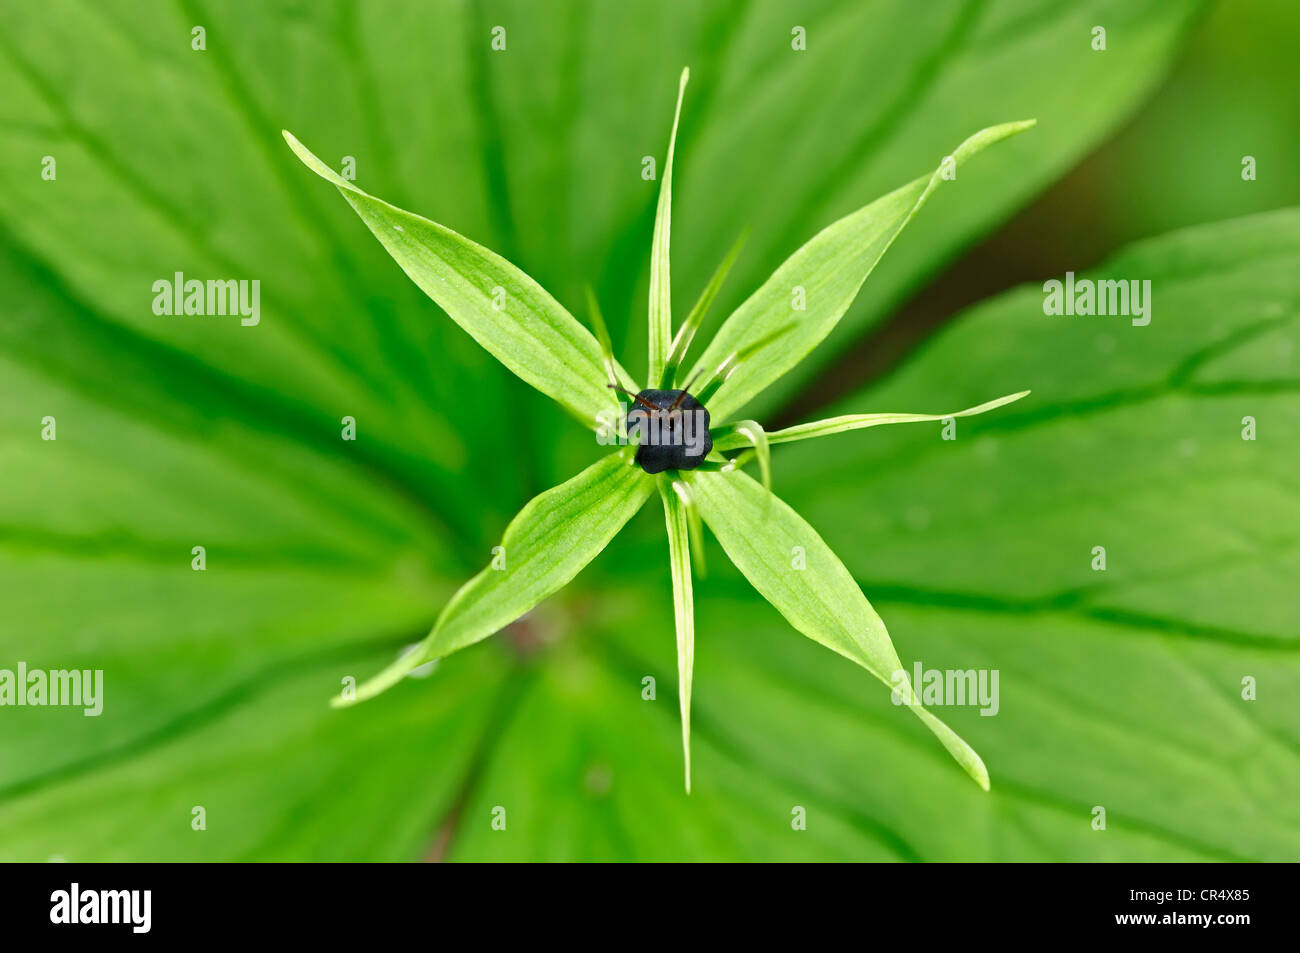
<point x="672" y="430"/>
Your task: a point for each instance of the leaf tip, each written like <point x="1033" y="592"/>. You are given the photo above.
<point x="295" y="144"/>
<point x="990" y="136"/>
<point x="310" y="160"/>
<point x="974" y="766"/>
<point x="1008" y="129"/>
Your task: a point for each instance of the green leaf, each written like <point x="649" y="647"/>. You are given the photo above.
<point x="543" y="548"/>
<point x="661" y="310"/>
<point x="816" y="285"/>
<point x="767" y="541"/>
<point x="833" y="425"/>
<point x="679" y="563"/>
<point x="502" y="308"/>
<point x="268" y="739"/>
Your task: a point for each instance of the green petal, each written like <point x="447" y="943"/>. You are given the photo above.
<point x="612" y="368"/>
<point x="831" y="425"/>
<point x="679" y="562"/>
<point x="765" y="538"/>
<point x="686" y="333"/>
<point x="695" y="524"/>
<point x="554" y="536"/>
<point x="735" y="360"/>
<point x="502" y="308"/>
<point x="661" y="314"/>
<point x="816" y="285"/>
<point x="750" y="433"/>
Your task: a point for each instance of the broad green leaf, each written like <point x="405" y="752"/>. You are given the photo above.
<point x="572" y="732"/>
<point x="543" y="548"/>
<point x="794" y="569"/>
<point x="679" y="564"/>
<point x="307" y="556"/>
<point x="328" y="342"/>
<point x="661" y="308"/>
<point x="816" y="285"/>
<point x="271" y="741"/>
<point x="501" y="307"/>
<point x="833" y="425"/>
<point x="1120" y="687"/>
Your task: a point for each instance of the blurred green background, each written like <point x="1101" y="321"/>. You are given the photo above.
<point x="325" y="558"/>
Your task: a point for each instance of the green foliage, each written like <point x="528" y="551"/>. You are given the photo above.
<point x="544" y="547"/>
<point x="326" y="559"/>
<point x="538" y="340"/>
<point x="1121" y="688"/>
<point x="816" y="285"/>
<point x="764" y="538"/>
<point x="824" y="428"/>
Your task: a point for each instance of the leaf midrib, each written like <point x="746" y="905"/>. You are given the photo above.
<point x="206" y="712"/>
<point x="272" y="411"/>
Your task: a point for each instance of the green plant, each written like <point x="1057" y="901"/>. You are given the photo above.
<point x="563" y="529"/>
<point x="328" y="557"/>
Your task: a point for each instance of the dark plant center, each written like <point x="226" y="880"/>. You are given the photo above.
<point x="671" y="430"/>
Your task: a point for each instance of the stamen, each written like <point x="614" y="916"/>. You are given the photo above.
<point x="684" y="394"/>
<point x="735" y="359"/>
<point x="636" y="397"/>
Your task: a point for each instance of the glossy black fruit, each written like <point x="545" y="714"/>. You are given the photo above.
<point x="672" y="430"/>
